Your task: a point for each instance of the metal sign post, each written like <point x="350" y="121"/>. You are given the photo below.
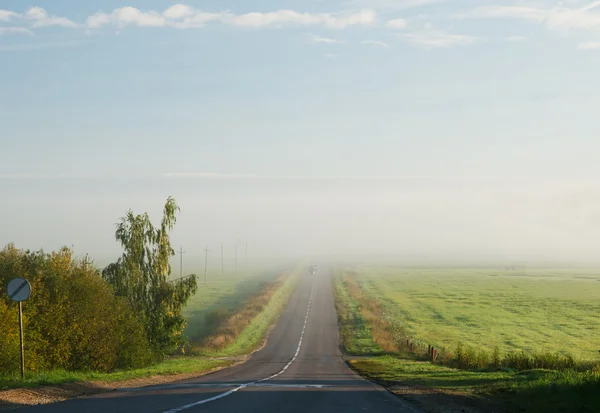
<point x="19" y="290"/>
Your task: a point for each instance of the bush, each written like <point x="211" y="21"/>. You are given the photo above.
<point x="496" y="360"/>
<point x="543" y="360"/>
<point x="72" y="321"/>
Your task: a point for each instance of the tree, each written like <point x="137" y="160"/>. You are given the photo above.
<point x="141" y="276"/>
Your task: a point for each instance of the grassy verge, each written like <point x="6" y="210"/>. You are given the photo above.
<point x="222" y="296"/>
<point x="174" y="365"/>
<point x="250" y="325"/>
<point x="440" y="388"/>
<point x="534" y="391"/>
<point x="245" y="330"/>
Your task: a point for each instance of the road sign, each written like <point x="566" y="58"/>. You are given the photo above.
<point x="18" y="289"/>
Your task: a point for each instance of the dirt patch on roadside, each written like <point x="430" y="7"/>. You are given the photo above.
<point x="25" y="397"/>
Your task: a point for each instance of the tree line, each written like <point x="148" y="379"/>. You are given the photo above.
<point x="81" y="318"/>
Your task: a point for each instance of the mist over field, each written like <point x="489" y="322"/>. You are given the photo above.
<point x="415" y="219"/>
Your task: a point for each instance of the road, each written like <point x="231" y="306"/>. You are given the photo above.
<point x="299" y="370"/>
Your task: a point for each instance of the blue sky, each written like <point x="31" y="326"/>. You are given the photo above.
<point x="239" y="105"/>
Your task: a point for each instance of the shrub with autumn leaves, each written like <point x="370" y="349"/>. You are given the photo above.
<point x="73" y="319"/>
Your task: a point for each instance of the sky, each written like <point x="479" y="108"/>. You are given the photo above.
<point x="408" y="129"/>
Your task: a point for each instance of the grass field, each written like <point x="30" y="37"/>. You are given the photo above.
<point x="417" y="299"/>
<point x="531" y="310"/>
<point x="224" y="294"/>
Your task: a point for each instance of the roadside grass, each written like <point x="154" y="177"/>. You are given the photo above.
<point x="223" y="295"/>
<point x="246" y="329"/>
<point x="534" y="391"/>
<point x="434" y="385"/>
<point x="258" y="296"/>
<point x="173" y="365"/>
<point x="356" y="336"/>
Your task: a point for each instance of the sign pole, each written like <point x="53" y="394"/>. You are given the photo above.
<point x="22" y="345"/>
<point x="19" y="290"/>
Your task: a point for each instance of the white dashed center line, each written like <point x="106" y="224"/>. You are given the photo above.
<point x="243" y="386"/>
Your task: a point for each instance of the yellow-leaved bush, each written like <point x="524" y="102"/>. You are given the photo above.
<point x="72" y="321"/>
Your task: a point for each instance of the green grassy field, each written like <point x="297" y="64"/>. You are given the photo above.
<point x="532" y="310"/>
<point x="439" y="388"/>
<point x="225" y="293"/>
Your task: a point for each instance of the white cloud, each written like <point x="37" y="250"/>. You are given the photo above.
<point x="396" y="24"/>
<point x="126" y="16"/>
<point x="7" y="15"/>
<point x="375" y="43"/>
<point x="183" y="16"/>
<point x="392" y="4"/>
<point x="510" y="12"/>
<point x="198" y="19"/>
<point x="282" y="18"/>
<point x="589" y="46"/>
<point x="41" y="18"/>
<point x="325" y="40"/>
<point x="98" y="20"/>
<point x="590" y="6"/>
<point x="572" y="19"/>
<point x="431" y="39"/>
<point x="515" y="39"/>
<point x="179" y="11"/>
<point x="560" y="17"/>
<point x="15" y="30"/>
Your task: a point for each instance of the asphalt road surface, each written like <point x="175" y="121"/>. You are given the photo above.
<point x="299" y="370"/>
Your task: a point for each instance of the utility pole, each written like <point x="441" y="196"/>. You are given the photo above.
<point x="222" y="267"/>
<point x="205" y="263"/>
<point x="236" y="256"/>
<point x="181" y="252"/>
<point x="246" y="256"/>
